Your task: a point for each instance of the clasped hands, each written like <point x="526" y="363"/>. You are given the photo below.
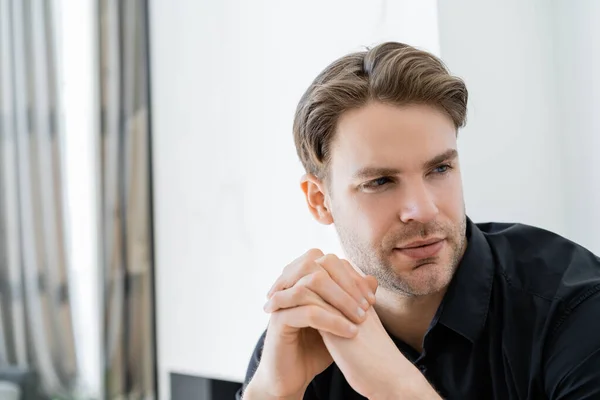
<point x="322" y="311"/>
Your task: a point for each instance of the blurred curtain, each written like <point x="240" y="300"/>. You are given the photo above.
<point x="36" y="334"/>
<point x="126" y="207"/>
<point x="36" y="323"/>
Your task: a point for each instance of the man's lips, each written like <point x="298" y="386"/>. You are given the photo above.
<point x="422" y="248"/>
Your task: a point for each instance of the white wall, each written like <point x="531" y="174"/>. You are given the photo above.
<point x="577" y="44"/>
<point x="229" y="214"/>
<point x="529" y="151"/>
<point x="510" y="155"/>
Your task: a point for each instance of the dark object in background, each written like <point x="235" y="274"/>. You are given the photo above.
<point x="188" y="387"/>
<point x="25" y="379"/>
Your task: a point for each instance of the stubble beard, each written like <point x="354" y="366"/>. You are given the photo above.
<point x="375" y="260"/>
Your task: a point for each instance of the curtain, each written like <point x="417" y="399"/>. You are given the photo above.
<point x="36" y="332"/>
<point x="126" y="209"/>
<point x="38" y="350"/>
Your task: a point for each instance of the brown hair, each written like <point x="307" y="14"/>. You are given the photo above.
<point x="393" y="73"/>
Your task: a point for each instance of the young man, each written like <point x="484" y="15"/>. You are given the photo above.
<point x="429" y="304"/>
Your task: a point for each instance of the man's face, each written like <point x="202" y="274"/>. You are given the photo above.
<point x="395" y="187"/>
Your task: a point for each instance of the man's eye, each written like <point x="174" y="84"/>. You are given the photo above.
<point x="442" y="169"/>
<point x="377" y="183"/>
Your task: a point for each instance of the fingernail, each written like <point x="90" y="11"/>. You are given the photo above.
<point x="364" y="304"/>
<point x="371" y="297"/>
<point x="360" y="312"/>
<point x="266" y="306"/>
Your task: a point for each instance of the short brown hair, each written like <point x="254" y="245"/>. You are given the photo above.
<point x="392" y="73"/>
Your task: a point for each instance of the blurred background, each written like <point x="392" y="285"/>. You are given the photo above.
<point x="149" y="185"/>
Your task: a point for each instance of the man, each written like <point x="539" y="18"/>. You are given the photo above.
<point x="428" y="305"/>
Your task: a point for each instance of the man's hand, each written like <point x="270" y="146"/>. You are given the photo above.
<point x="315" y="293"/>
<point x="373" y="365"/>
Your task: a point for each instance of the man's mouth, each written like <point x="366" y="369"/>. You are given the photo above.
<point x="422" y="248"/>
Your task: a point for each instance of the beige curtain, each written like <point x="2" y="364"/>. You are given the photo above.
<point x="126" y="200"/>
<point x="36" y="331"/>
<point x="36" y="323"/>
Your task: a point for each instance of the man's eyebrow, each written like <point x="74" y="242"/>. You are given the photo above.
<point x="371" y="172"/>
<point x="448" y="155"/>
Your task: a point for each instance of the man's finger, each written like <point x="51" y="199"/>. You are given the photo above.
<point x="327" y="289"/>
<point x="301" y="295"/>
<point x="295" y="296"/>
<point x="373" y="285"/>
<point x="361" y="281"/>
<point x="312" y="316"/>
<point x="298" y="268"/>
<point x="346" y="277"/>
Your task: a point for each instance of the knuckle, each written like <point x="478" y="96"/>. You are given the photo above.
<point x="308" y="265"/>
<point x="329" y="258"/>
<point x="306" y="268"/>
<point x="313" y="254"/>
<point x="317" y="279"/>
<point x="300" y="294"/>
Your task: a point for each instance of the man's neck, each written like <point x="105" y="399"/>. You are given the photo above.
<point x="407" y="318"/>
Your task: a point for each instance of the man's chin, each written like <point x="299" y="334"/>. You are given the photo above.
<point x="403" y="266"/>
<point x="426" y="277"/>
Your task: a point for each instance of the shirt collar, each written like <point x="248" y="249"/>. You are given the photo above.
<point x="466" y="303"/>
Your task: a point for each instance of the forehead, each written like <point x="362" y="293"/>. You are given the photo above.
<point x="381" y="135"/>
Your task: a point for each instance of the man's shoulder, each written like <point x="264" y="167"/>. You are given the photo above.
<point x="541" y="263"/>
<point x="520" y="233"/>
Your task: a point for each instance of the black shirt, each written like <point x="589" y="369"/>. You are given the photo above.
<point x="520" y="320"/>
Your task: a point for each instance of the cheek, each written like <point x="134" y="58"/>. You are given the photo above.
<point x="374" y="215"/>
<point x="449" y="197"/>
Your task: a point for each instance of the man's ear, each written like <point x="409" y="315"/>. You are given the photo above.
<point x="316" y="198"/>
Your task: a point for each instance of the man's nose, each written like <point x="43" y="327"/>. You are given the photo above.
<point x="417" y="203"/>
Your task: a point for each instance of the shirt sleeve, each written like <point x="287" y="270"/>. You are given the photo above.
<point x="253" y="365"/>
<point x="572" y="367"/>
